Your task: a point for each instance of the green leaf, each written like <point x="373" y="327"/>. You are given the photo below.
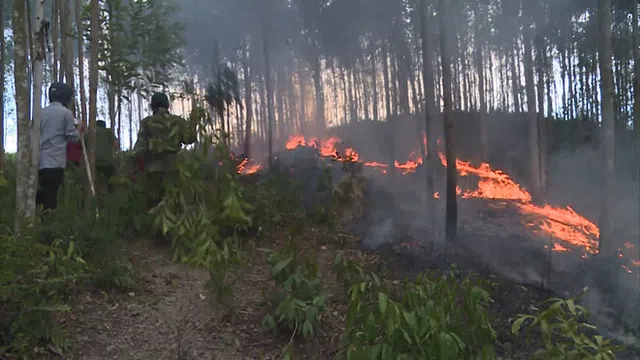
<point x="382" y="302"/>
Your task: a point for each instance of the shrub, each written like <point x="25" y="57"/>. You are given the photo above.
<point x="562" y="324"/>
<point x="435" y="318"/>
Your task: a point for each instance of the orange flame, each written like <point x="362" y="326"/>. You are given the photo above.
<point x="563" y="224"/>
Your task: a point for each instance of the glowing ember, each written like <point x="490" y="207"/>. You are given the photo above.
<point x="245" y="168"/>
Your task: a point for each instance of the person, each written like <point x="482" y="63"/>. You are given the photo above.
<point x="160" y="137"/>
<point x="57" y="128"/>
<point x="106" y="144"/>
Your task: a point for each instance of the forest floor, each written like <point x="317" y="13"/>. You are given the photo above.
<point x="170" y="315"/>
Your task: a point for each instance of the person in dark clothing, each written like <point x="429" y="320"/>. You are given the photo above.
<point x="57" y="127"/>
<point x="106" y="143"/>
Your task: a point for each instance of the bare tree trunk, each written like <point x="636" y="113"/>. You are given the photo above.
<point x="317" y="81"/>
<point x="450" y="154"/>
<point x="3" y="51"/>
<point x="303" y="99"/>
<point x="93" y="86"/>
<point x="23" y="110"/>
<point x="636" y="83"/>
<point x="55" y="30"/>
<point x="83" y="94"/>
<point x="477" y="41"/>
<point x="540" y="67"/>
<point x="248" y="98"/>
<point x="385" y="79"/>
<point x="38" y="57"/>
<point x="429" y="112"/>
<point x="374" y="80"/>
<point x="534" y="150"/>
<point x="66" y="21"/>
<point x="269" y="85"/>
<point x="606" y="247"/>
<point x="514" y="78"/>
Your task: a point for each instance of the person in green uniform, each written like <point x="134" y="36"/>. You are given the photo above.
<point x="106" y="143"/>
<point x="160" y="137"/>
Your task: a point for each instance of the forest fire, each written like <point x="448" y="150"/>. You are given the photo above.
<point x="563" y="225"/>
<point x="245" y="167"/>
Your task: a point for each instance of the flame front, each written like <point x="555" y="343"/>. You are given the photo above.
<point x="562" y="224"/>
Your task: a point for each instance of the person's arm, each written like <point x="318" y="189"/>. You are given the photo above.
<point x="71" y="131"/>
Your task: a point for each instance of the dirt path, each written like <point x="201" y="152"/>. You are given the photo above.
<point x="169" y="316"/>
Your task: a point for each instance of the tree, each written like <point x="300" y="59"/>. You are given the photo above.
<point x="266" y="26"/>
<point x="429" y="108"/>
<point x="3" y="51"/>
<point x="607" y="142"/>
<point x="93" y="83"/>
<point x="534" y="150"/>
<point x="451" y="222"/>
<point x="80" y="39"/>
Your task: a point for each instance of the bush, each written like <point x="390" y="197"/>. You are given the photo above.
<point x="34" y="279"/>
<point x="562" y="324"/>
<point x="434" y="318"/>
<point x="299" y="298"/>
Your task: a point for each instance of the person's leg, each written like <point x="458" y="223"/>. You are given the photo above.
<point x="51" y="181"/>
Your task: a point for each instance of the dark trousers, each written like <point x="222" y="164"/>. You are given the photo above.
<point x="49" y="182"/>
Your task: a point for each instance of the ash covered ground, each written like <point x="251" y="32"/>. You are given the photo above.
<point x="507" y="237"/>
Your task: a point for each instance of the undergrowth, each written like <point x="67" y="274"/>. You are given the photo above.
<point x="214" y="217"/>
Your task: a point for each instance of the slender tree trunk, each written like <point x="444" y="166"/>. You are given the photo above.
<point x="67" y="44"/>
<point x="385" y="79"/>
<point x="3" y="51"/>
<point x="131" y="120"/>
<point x="83" y="94"/>
<point x="23" y="109"/>
<point x="606" y="247"/>
<point x="55" y="30"/>
<point x="540" y="67"/>
<point x="269" y="85"/>
<point x="303" y="100"/>
<point x="248" y="98"/>
<point x="515" y="80"/>
<point x="534" y="150"/>
<point x="93" y="86"/>
<point x="374" y="80"/>
<point x="429" y="112"/>
<point x="452" y="201"/>
<point x="484" y="140"/>
<point x="636" y="83"/>
<point x="317" y="81"/>
<point x="37" y="57"/>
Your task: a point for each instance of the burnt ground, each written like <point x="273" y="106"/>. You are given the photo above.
<point x="171" y="315"/>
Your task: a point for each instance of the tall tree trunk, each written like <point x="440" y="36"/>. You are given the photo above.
<point x="636" y="83"/>
<point x="269" y="84"/>
<point x="317" y="81"/>
<point x="477" y="41"/>
<point x="385" y="79"/>
<point x="2" y="88"/>
<point x="540" y="68"/>
<point x="607" y="144"/>
<point x="66" y="22"/>
<point x="374" y="80"/>
<point x="303" y="99"/>
<point x="37" y="57"/>
<point x="534" y="150"/>
<point x="248" y="98"/>
<point x="450" y="154"/>
<point x="429" y="111"/>
<point x="83" y="94"/>
<point x="131" y="120"/>
<point x="55" y="30"/>
<point x="515" y="80"/>
<point x="93" y="86"/>
<point x="23" y="109"/>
